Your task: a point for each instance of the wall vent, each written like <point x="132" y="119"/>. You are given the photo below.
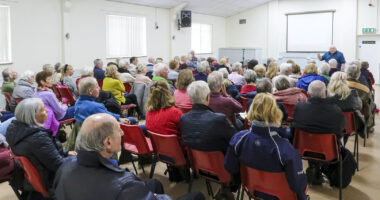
<point x="242" y="21"/>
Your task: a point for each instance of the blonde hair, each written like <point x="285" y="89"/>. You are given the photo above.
<point x="272" y="70"/>
<point x="223" y="61"/>
<point x="111" y="71"/>
<point x="311" y="68"/>
<point x="260" y="70"/>
<point x="160" y="96"/>
<point x="338" y="85"/>
<point x="185" y="77"/>
<point x="173" y="64"/>
<point x="140" y="67"/>
<point x="64" y="70"/>
<point x="264" y="109"/>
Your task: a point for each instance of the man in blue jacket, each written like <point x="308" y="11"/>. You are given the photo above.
<point x="98" y="71"/>
<point x="334" y="54"/>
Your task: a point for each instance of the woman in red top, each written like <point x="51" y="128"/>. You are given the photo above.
<point x="250" y="77"/>
<point x="162" y="117"/>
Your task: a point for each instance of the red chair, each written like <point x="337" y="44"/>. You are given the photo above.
<point x="210" y="166"/>
<point x="289" y="107"/>
<point x="246" y="124"/>
<point x="319" y="147"/>
<point x="127" y="87"/>
<point x="168" y="149"/>
<point x="66" y="122"/>
<point x="32" y="175"/>
<point x="100" y="83"/>
<point x="135" y="142"/>
<point x="350" y="129"/>
<point x="18" y="100"/>
<point x="243" y="102"/>
<point x="253" y="180"/>
<point x="56" y="92"/>
<point x="66" y="95"/>
<point x="184" y="110"/>
<point x="8" y="98"/>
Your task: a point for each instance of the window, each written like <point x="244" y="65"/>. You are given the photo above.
<point x="5" y="35"/>
<point x="201" y="38"/>
<point x="126" y="36"/>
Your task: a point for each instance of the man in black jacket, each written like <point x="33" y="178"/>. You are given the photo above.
<point x="201" y="128"/>
<point x="98" y="140"/>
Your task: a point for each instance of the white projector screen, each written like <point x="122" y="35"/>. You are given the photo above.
<point x="309" y="32"/>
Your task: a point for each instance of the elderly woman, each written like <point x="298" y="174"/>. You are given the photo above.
<point x="162" y="117"/>
<point x="125" y="75"/>
<point x="27" y="137"/>
<point x="24" y="88"/>
<point x="203" y="69"/>
<point x="250" y="78"/>
<point x="173" y="67"/>
<point x="296" y="72"/>
<point x="140" y="76"/>
<point x="181" y="98"/>
<point x="333" y="66"/>
<point x="231" y="89"/>
<point x="324" y="72"/>
<point x="285" y="71"/>
<point x="287" y="94"/>
<point x="85" y="72"/>
<point x="236" y="76"/>
<point x="272" y="70"/>
<point x="311" y="74"/>
<point x="260" y="71"/>
<point x="272" y="152"/>
<point x="9" y="76"/>
<point x="366" y="74"/>
<point x="223" y="64"/>
<point x="56" y="110"/>
<point x="66" y="79"/>
<point x="56" y="73"/>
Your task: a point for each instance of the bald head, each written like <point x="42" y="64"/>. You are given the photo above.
<point x="317" y="89"/>
<point x="332" y="49"/>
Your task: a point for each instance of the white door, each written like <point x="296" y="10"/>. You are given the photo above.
<point x="369" y="50"/>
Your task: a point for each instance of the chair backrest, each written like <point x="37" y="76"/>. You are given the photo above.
<point x="243" y="102"/>
<point x="289" y="107"/>
<point x="168" y="149"/>
<point x="184" y="110"/>
<point x="127" y="87"/>
<point x="270" y="183"/>
<point x="209" y="165"/>
<point x="31" y="174"/>
<point x="134" y="136"/>
<point x="246" y="123"/>
<point x="100" y="83"/>
<point x="316" y="146"/>
<point x="8" y="98"/>
<point x="66" y="95"/>
<point x="350" y="125"/>
<point x="56" y="92"/>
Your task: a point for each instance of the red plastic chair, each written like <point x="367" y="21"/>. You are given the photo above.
<point x="18" y="100"/>
<point x="184" y="110"/>
<point x="127" y="87"/>
<point x="271" y="183"/>
<point x="243" y="102"/>
<point x="168" y="149"/>
<point x="319" y="147"/>
<point x="246" y="124"/>
<point x="289" y="107"/>
<point x="210" y="166"/>
<point x="100" y="83"/>
<point x="134" y="141"/>
<point x="66" y="95"/>
<point x="32" y="175"/>
<point x="8" y="98"/>
<point x="350" y="129"/>
<point x="56" y="92"/>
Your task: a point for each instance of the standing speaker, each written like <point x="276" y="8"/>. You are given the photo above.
<point x="185" y="18"/>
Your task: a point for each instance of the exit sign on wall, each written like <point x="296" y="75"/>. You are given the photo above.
<point x="368" y="30"/>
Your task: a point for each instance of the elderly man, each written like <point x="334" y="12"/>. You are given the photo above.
<point x="48" y="67"/>
<point x="285" y="71"/>
<point x="202" y="128"/>
<point x="132" y="66"/>
<point x="98" y="69"/>
<point x="324" y="72"/>
<point x="25" y="88"/>
<point x="236" y="76"/>
<point x="333" y="66"/>
<point x="149" y="66"/>
<point x="220" y="102"/>
<point x="353" y="74"/>
<point x="202" y="71"/>
<point x="98" y="140"/>
<point x="334" y="54"/>
<point x="9" y="77"/>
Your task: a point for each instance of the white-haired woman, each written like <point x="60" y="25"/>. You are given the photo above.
<point x="324" y="72"/>
<point x="24" y="89"/>
<point x="203" y="69"/>
<point x="85" y="72"/>
<point x="27" y="137"/>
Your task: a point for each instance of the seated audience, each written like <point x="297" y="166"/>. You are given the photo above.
<point x="181" y="98"/>
<point x="98" y="69"/>
<point x="140" y="76"/>
<point x="149" y="66"/>
<point x="182" y="63"/>
<point x="250" y="88"/>
<point x="367" y="74"/>
<point x="252" y="63"/>
<point x="57" y="111"/>
<point x="162" y="117"/>
<point x="98" y="140"/>
<point x="24" y="88"/>
<point x="272" y="70"/>
<point x="4" y="125"/>
<point x="220" y="102"/>
<point x="26" y="137"/>
<point x="159" y="60"/>
<point x="231" y="89"/>
<point x="141" y="87"/>
<point x="223" y="64"/>
<point x="173" y="67"/>
<point x="285" y="71"/>
<point x="311" y="74"/>
<point x="287" y="94"/>
<point x="269" y="60"/>
<point x="362" y="79"/>
<point x="324" y="72"/>
<point x="368" y="106"/>
<point x="236" y="76"/>
<point x="48" y="67"/>
<point x="203" y="69"/>
<point x="132" y="66"/>
<point x="202" y="128"/>
<point x="125" y="75"/>
<point x="271" y="152"/>
<point x="85" y="72"/>
<point x="56" y="73"/>
<point x="333" y="66"/>
<point x="9" y="77"/>
<point x="122" y="66"/>
<point x="161" y="73"/>
<point x="296" y="73"/>
<point x="260" y="71"/>
<point x="67" y="72"/>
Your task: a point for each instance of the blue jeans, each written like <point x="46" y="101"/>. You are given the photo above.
<point x="6" y="115"/>
<point x="69" y="113"/>
<point x="133" y="121"/>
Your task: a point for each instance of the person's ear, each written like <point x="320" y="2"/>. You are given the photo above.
<point x="107" y="144"/>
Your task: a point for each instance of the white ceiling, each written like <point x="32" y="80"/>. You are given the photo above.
<point x="223" y="8"/>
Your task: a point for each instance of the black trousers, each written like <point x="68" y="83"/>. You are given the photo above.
<point x="156" y="187"/>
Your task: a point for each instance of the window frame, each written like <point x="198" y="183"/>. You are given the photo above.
<point x="200" y="38"/>
<point x="10" y="58"/>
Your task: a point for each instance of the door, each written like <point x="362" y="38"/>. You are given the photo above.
<point x="369" y="50"/>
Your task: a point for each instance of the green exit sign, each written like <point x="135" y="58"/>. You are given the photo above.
<point x="368" y="30"/>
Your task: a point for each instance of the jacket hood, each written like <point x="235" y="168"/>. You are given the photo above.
<point x="289" y="91"/>
<point x="17" y="131"/>
<point x="24" y="83"/>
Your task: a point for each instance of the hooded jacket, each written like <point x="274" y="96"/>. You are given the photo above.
<point x="23" y="90"/>
<point x="291" y="95"/>
<point x="304" y="81"/>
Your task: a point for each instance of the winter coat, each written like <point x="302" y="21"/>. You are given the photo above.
<point x="23" y="90"/>
<point x="291" y="95"/>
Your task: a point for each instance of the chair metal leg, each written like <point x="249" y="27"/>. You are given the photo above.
<point x="142" y="167"/>
<point x="242" y="193"/>
<point x="340" y="174"/>
<point x="209" y="188"/>
<point x="191" y="180"/>
<point x="17" y="193"/>
<point x="134" y="167"/>
<point x="238" y="194"/>
<point x="357" y="151"/>
<point x="153" y="167"/>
